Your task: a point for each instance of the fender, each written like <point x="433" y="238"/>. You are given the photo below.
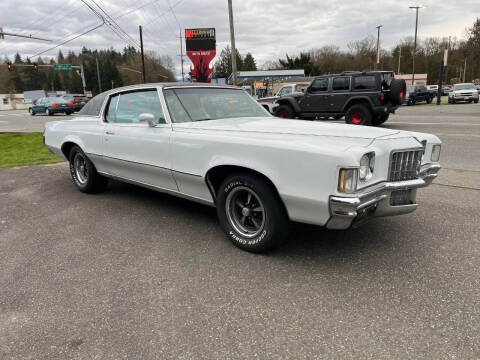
<point x="73" y="139"/>
<point x="289" y="100"/>
<point x="358" y="99"/>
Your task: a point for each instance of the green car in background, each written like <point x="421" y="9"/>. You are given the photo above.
<point x="50" y="106"/>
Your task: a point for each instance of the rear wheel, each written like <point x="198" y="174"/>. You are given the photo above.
<point x="475" y="101"/>
<point x="429" y="100"/>
<point x="285" y="112"/>
<point x="358" y="115"/>
<point x="83" y="172"/>
<point x="48" y="112"/>
<point x="251" y="213"/>
<point x="380" y="119"/>
<point x="30" y="110"/>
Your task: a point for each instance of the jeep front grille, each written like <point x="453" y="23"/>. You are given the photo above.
<point x="405" y="165"/>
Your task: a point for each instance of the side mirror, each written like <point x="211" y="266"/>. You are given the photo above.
<point x="148" y="118"/>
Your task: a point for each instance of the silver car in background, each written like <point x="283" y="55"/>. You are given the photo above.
<point x="463" y="92"/>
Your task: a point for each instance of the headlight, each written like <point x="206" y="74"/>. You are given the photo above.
<point x="367" y="164"/>
<point x="435" y="153"/>
<point x="347" y="180"/>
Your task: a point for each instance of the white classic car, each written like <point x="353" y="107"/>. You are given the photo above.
<point x="218" y="146"/>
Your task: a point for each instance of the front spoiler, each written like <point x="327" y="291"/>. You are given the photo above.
<point x="375" y="200"/>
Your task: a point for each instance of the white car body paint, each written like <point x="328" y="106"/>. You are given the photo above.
<point x="301" y="158"/>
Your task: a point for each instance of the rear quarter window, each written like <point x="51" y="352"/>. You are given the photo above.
<point x="367" y="82"/>
<point x="93" y="107"/>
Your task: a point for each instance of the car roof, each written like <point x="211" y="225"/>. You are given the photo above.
<point x="169" y="85"/>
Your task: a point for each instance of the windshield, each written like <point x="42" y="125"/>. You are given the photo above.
<point x="198" y="104"/>
<point x="464" y="87"/>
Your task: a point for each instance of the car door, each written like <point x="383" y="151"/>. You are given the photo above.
<point x="133" y="150"/>
<point x="39" y="107"/>
<point x="316" y="98"/>
<point x="340" y="92"/>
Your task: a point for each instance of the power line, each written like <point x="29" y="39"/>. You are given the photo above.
<point x="69" y="40"/>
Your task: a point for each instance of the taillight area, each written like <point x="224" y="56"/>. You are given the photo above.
<point x="55" y="105"/>
<point x="382" y="96"/>
<point x="71" y="105"/>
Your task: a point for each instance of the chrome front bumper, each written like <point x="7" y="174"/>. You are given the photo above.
<point x="376" y="200"/>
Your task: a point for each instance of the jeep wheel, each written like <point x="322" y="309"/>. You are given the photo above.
<point x="398" y="89"/>
<point x="284" y="112"/>
<point x="358" y="115"/>
<point x="251" y="213"/>
<point x="380" y="119"/>
<point x="83" y="172"/>
<point x="429" y="100"/>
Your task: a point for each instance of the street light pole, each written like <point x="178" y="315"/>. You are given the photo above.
<point x="415" y="43"/>
<point x="378" y="46"/>
<point x="232" y="42"/>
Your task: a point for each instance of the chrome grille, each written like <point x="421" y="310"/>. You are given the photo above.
<point x="404" y="165"/>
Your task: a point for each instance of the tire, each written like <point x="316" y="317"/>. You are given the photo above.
<point x="285" y="112"/>
<point x="251" y="213"/>
<point x="380" y="119"/>
<point x="32" y="113"/>
<point x="429" y="100"/>
<point x="84" y="175"/>
<point x="398" y="89"/>
<point x="358" y="115"/>
<point x="475" y="101"/>
<point x="48" y="112"/>
<point x="68" y="112"/>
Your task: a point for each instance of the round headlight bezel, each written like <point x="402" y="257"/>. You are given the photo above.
<point x="367" y="166"/>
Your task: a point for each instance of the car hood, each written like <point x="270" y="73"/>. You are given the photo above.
<point x="269" y="125"/>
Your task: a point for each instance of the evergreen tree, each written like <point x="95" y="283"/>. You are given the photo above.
<point x="249" y="63"/>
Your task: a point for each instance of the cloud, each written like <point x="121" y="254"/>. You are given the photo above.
<point x="267" y="29"/>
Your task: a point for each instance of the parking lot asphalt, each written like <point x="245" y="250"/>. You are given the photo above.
<point x="135" y="274"/>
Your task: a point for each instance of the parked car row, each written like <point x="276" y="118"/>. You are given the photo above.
<point x="50" y="105"/>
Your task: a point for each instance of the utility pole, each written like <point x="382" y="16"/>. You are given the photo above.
<point x="181" y="55"/>
<point x="98" y="75"/>
<point x="82" y="75"/>
<point x="465" y="70"/>
<point x="378" y="46"/>
<point x="415" y="44"/>
<point x="232" y="43"/>
<point x="399" y="57"/>
<point x="143" y="58"/>
<point x="112" y="84"/>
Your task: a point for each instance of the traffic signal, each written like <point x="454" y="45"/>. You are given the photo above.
<point x="9" y="66"/>
<point x="35" y="66"/>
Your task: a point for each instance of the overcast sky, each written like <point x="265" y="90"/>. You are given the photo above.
<point x="267" y="29"/>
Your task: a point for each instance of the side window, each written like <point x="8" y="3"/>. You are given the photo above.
<point x="366" y="82"/>
<point x="341" y="83"/>
<point x="287" y="90"/>
<point x="39" y="101"/>
<point x="319" y="85"/>
<point x="111" y="108"/>
<point x="132" y="104"/>
<point x="281" y="92"/>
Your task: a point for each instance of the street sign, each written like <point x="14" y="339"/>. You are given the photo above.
<point x="62" y="67"/>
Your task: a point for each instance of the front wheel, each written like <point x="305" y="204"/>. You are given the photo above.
<point x="429" y="100"/>
<point x="83" y="172"/>
<point x="48" y="112"/>
<point x="251" y="213"/>
<point x="358" y="115"/>
<point x="284" y="112"/>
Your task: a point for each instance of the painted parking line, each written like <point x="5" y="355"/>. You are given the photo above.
<point x="433" y="123"/>
<point x="459" y="135"/>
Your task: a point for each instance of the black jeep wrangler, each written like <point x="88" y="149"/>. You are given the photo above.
<point x="364" y="98"/>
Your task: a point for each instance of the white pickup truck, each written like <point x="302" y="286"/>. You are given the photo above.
<point x="269" y="103"/>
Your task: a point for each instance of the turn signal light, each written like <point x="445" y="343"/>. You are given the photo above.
<point x="347" y="181"/>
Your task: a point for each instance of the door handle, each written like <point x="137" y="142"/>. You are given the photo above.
<point x="109" y="132"/>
